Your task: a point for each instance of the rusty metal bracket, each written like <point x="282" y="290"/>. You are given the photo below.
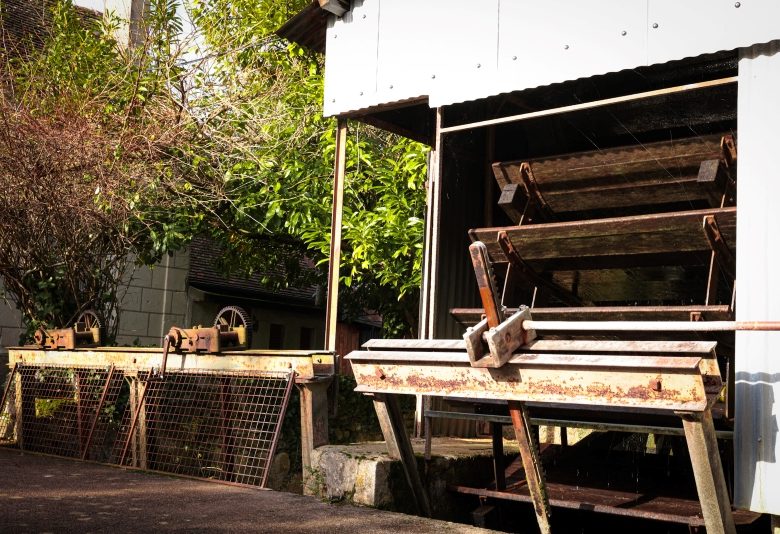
<point x="724" y="255"/>
<point x="102" y="401"/>
<point x="486" y="282"/>
<point x="537" y="206"/>
<point x="517" y="263"/>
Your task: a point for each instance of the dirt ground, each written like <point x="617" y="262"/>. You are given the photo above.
<point x="46" y="494"/>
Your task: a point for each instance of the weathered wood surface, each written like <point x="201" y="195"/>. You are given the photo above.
<point x="677" y="238"/>
<point x="471" y="316"/>
<point x="665" y="172"/>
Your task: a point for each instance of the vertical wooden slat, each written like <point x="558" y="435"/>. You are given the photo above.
<point x="331" y="312"/>
<point x="314" y="420"/>
<point x="708" y="472"/>
<point x="399" y="447"/>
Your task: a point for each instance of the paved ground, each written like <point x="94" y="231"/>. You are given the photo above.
<point x="45" y="494"/>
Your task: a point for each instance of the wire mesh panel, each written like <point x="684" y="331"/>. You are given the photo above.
<point x="221" y="425"/>
<point x="64" y="410"/>
<point x="216" y="425"/>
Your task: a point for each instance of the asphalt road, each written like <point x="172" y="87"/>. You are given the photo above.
<point x="46" y="494"/>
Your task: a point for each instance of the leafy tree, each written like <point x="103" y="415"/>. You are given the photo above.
<point x="273" y="150"/>
<point x="86" y="132"/>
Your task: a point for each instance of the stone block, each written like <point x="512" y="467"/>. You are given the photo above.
<point x="133" y="324"/>
<point x="155" y="300"/>
<point x="9" y="316"/>
<point x="141" y="277"/>
<point x="130" y="299"/>
<point x="169" y="278"/>
<point x="363" y="473"/>
<point x="179" y="302"/>
<point x="181" y="259"/>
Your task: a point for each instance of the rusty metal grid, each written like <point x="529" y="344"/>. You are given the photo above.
<point x="210" y="424"/>
<point x="66" y="411"/>
<point x="220" y="425"/>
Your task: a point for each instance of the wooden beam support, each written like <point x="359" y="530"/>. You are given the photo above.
<point x="532" y="465"/>
<point x="314" y="421"/>
<point x="400" y="448"/>
<point x="708" y="471"/>
<point x="331" y="311"/>
<point x="521" y="268"/>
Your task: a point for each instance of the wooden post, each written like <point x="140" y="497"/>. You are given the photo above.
<point x="314" y="421"/>
<point x="139" y="439"/>
<point x="531" y="465"/>
<point x="399" y="447"/>
<point x="332" y="309"/>
<point x="708" y="471"/>
<point x="19" y="401"/>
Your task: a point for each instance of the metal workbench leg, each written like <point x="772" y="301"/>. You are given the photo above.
<point x="399" y="446"/>
<point x="707" y="468"/>
<point x="532" y="465"/>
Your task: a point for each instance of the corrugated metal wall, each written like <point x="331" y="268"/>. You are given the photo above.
<point x="757" y="448"/>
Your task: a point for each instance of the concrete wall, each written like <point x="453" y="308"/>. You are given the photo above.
<point x="154" y="300"/>
<point x="10" y="323"/>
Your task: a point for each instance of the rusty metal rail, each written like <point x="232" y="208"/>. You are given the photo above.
<point x="651" y="326"/>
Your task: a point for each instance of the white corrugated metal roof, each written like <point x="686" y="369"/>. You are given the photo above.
<point x="387" y="51"/>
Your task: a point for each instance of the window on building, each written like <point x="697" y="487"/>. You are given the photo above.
<point x="307" y="338"/>
<point x="276" y="336"/>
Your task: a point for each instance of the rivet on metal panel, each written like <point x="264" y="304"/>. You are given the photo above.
<point x="361" y="93"/>
<point x="335" y="36"/>
<point x="364" y="15"/>
<point x="655" y="24"/>
<point x="479" y="65"/>
<point x="433" y="76"/>
<point x="391" y="86"/>
<point x="565" y="47"/>
<point x="379" y="373"/>
<point x="737" y="4"/>
<point x="624" y="33"/>
<point x="334" y="100"/>
<point x="514" y="58"/>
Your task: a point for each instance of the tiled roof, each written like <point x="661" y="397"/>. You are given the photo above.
<point x="204" y="254"/>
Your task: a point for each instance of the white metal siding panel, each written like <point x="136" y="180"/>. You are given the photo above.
<point x="404" y="67"/>
<point x="468" y="48"/>
<point x="545" y="42"/>
<point x="351" y="59"/>
<point x="449" y="38"/>
<point x="693" y="27"/>
<point x="757" y="448"/>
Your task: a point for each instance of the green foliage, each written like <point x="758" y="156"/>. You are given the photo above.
<point x="274" y="153"/>
<point x="87" y="150"/>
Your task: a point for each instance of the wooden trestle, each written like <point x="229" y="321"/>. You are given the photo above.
<point x="676" y="378"/>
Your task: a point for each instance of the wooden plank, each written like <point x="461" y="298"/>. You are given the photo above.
<point x="708" y="472"/>
<point x="625" y="239"/>
<point x="337" y="213"/>
<point x="399" y="447"/>
<point x="471" y="316"/>
<point x="314" y="421"/>
<point x="670" y="158"/>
